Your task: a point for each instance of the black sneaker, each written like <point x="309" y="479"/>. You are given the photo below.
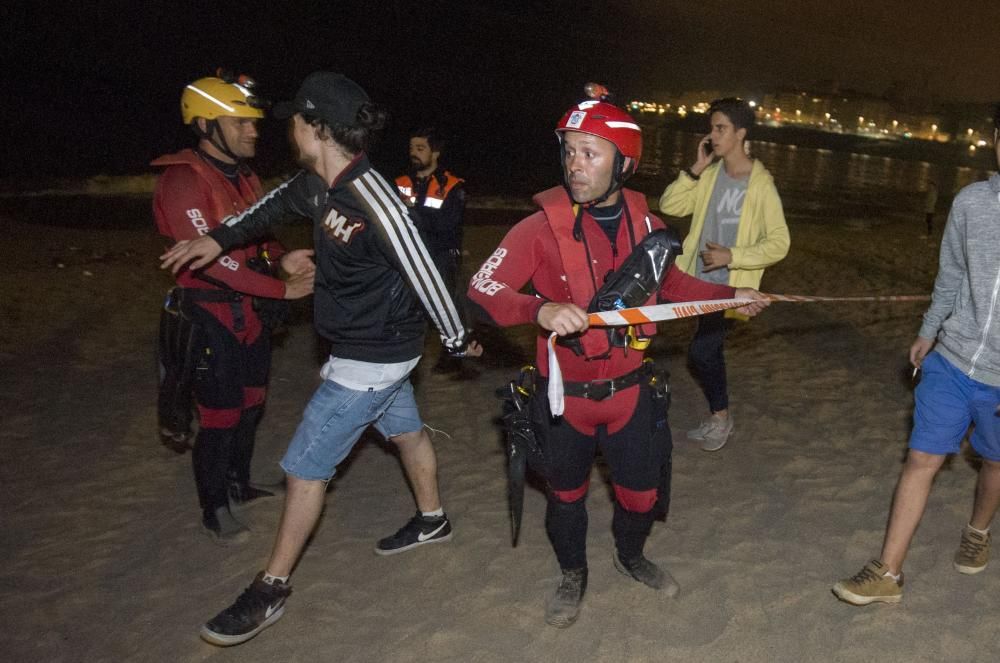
<point x="417" y="532"/>
<point x="642" y="570"/>
<point x="260" y="605"/>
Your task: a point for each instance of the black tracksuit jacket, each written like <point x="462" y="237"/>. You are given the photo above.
<point x="373" y="272"/>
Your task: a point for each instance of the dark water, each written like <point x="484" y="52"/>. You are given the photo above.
<point x="814" y="184"/>
<point x="819" y="183"/>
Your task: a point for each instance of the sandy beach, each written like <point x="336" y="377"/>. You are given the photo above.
<point x="105" y="560"/>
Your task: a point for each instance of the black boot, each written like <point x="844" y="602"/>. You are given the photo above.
<point x="644" y="571"/>
<point x="631" y="531"/>
<point x="238" y="473"/>
<point x="241" y="493"/>
<point x="223" y="527"/>
<point x="564" y="606"/>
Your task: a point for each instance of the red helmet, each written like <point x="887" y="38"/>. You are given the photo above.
<point x="607" y="121"/>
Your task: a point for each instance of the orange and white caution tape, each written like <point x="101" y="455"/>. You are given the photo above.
<point x="641" y="315"/>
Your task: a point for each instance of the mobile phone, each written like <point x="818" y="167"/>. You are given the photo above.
<point x="707" y="146"/>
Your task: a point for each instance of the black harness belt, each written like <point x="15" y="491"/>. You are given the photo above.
<point x="598" y="390"/>
<point x="205" y="295"/>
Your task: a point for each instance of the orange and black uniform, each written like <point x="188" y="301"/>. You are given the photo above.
<point x="193" y="194"/>
<point x="437" y="203"/>
<point x="628" y="424"/>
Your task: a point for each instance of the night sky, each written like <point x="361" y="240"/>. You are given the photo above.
<point x="95" y="88"/>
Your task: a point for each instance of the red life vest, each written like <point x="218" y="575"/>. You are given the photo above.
<point x="560" y="213"/>
<point x="227" y="200"/>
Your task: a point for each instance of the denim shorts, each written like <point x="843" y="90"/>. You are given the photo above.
<point x="335" y="419"/>
<point x="947" y="401"/>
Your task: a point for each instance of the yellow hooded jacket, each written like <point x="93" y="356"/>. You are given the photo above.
<point x="762" y="236"/>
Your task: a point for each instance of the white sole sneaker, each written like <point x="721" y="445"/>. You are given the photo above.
<point x="848" y="596"/>
<point x="716" y="442"/>
<point x="223" y="640"/>
<point x="969" y="570"/>
<point x="396" y="551"/>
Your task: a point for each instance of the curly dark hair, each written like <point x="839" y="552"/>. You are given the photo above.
<point x="354" y="138"/>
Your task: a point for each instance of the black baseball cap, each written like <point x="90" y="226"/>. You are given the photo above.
<point x="328" y="96"/>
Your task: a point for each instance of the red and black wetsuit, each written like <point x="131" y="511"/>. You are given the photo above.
<point x="192" y="196"/>
<point x="629" y="426"/>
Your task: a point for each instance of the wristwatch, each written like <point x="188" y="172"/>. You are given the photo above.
<point x="691" y="174"/>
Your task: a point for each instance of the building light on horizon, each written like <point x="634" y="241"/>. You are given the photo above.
<point x="878" y="122"/>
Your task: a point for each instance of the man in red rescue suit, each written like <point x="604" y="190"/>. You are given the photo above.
<point x="583" y="232"/>
<point x="198" y="188"/>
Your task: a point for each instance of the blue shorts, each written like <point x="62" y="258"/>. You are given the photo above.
<point x="947" y="401"/>
<point x="335" y="419"/>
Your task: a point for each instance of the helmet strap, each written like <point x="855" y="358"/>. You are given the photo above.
<point x="213" y="134"/>
<point x="618" y="177"/>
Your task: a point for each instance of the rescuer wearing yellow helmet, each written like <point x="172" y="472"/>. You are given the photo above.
<point x="215" y="331"/>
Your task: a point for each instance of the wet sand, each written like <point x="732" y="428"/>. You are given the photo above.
<point x="105" y="559"/>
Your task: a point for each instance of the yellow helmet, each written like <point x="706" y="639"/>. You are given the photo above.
<point x="214" y="97"/>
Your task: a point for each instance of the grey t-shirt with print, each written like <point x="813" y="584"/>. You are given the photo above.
<point x="721" y="220"/>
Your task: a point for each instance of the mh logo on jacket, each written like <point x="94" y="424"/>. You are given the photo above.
<point x="340" y="228"/>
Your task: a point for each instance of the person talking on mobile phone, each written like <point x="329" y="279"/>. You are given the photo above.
<point x="737" y="229"/>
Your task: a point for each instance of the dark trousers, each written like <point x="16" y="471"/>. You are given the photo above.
<point x="707" y="360"/>
<point x="230" y="379"/>
<point x="638" y="456"/>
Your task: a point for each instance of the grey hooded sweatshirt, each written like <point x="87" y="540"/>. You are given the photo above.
<point x="964" y="313"/>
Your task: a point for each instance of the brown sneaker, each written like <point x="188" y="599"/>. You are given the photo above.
<point x="973" y="551"/>
<point x="869" y="585"/>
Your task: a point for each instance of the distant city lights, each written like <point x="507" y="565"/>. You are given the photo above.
<point x="877" y="118"/>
